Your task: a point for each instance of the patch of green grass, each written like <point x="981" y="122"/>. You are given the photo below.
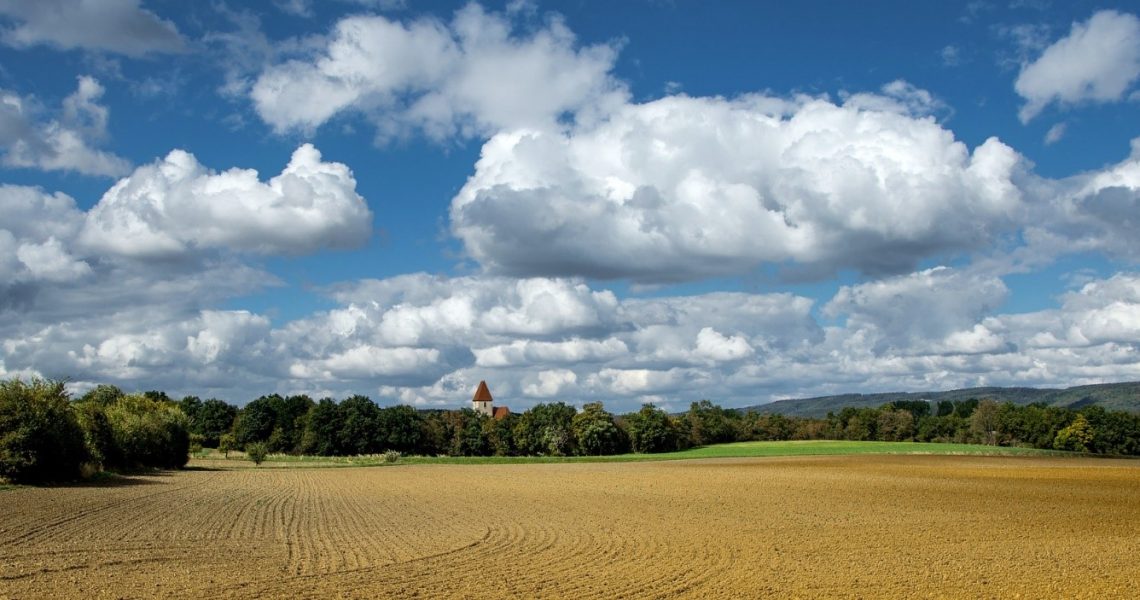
<point x="817" y="447"/>
<point x="733" y="450"/>
<point x="759" y="449"/>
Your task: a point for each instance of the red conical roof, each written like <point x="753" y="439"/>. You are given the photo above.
<point x="482" y="394"/>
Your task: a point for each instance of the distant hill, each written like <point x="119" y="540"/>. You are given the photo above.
<point x="1112" y="396"/>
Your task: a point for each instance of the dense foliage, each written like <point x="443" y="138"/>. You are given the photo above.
<point x="147" y="433"/>
<point x="131" y="431"/>
<point x="1091" y="429"/>
<point x="46" y="437"/>
<point x="210" y="419"/>
<point x="40" y="437"/>
<point x="358" y="426"/>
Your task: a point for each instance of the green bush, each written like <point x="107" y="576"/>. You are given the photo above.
<point x="40" y="439"/>
<point x="391" y="456"/>
<point x="257" y="452"/>
<point x="98" y="435"/>
<point x="149" y="432"/>
<point x="102" y="395"/>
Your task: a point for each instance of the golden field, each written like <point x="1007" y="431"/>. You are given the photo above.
<point x="839" y="526"/>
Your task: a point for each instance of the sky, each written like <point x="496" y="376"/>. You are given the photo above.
<point x="628" y="202"/>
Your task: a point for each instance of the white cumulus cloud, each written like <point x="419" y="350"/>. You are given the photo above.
<point x="663" y="350"/>
<point x="635" y="382"/>
<point x="65" y="143"/>
<point x="420" y="309"/>
<point x="51" y="261"/>
<point x="1097" y="62"/>
<point x="35" y="231"/>
<point x="717" y="347"/>
<point x="683" y="188"/>
<point x="547" y="384"/>
<point x="176" y="206"/>
<point x="1102" y="312"/>
<point x="572" y="351"/>
<point x="913" y="311"/>
<point x="119" y="26"/>
<point x="1094" y="211"/>
<point x="473" y="75"/>
<point x="226" y="336"/>
<point x="362" y="362"/>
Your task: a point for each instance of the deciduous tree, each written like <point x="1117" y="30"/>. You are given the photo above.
<point x="984" y="422"/>
<point x="1076" y="437"/>
<point x="215" y="419"/>
<point x="401" y="429"/>
<point x="651" y="430"/>
<point x="322" y="430"/>
<point x="596" y="431"/>
<point x="360" y="426"/>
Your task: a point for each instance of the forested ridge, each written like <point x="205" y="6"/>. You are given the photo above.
<point x="47" y="436"/>
<point x="1111" y="396"/>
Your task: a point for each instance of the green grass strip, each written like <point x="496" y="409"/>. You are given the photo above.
<point x="732" y="450"/>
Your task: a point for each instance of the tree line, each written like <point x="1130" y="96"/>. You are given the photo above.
<point x="356" y="425"/>
<point x="984" y="421"/>
<point x="47" y="436"/>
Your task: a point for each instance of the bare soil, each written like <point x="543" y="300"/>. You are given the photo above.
<point x="836" y="526"/>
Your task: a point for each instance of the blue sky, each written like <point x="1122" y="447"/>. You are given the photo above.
<point x="628" y="202"/>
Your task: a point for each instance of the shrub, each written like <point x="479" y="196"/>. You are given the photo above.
<point x="40" y="439"/>
<point x="102" y="395"/>
<point x="98" y="435"/>
<point x="257" y="452"/>
<point x="391" y="456"/>
<point x="149" y="432"/>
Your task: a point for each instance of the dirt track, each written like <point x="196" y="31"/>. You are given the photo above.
<point x="869" y="526"/>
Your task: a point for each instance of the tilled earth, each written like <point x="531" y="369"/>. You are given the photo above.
<point x="847" y="526"/>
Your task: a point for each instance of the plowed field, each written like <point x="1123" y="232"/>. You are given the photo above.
<point x="846" y="526"/>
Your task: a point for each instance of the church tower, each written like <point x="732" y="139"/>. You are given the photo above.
<point x="482" y="400"/>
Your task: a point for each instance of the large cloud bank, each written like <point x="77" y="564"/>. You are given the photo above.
<point x="102" y="293"/>
<point x="578" y="189"/>
<point x="428" y="340"/>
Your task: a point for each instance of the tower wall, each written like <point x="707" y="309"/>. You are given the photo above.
<point x="482" y="406"/>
